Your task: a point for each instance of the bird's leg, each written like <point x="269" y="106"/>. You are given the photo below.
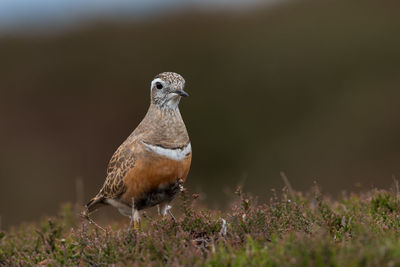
<point x="135" y="217"/>
<point x="165" y="208"/>
<point x="159" y="209"/>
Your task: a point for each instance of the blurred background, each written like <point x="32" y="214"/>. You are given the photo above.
<point x="307" y="87"/>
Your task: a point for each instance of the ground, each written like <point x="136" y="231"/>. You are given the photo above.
<point x="291" y="228"/>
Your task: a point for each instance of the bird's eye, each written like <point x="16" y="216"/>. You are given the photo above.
<point x="159" y="85"/>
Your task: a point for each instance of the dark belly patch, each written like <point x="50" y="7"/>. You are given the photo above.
<point x="164" y="193"/>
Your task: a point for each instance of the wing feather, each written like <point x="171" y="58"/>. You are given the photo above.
<point x="121" y="162"/>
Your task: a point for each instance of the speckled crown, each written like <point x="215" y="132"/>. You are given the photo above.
<point x="171" y="78"/>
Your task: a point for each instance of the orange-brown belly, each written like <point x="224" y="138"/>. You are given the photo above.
<point x="154" y="175"/>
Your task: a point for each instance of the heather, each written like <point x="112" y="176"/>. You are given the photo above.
<point x="289" y="229"/>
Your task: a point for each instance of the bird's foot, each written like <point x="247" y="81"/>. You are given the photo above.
<point x="136" y="225"/>
<point x="135" y="217"/>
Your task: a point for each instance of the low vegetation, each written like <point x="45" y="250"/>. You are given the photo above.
<point x="292" y="228"/>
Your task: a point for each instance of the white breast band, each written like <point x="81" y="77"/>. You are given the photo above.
<point x="175" y="154"/>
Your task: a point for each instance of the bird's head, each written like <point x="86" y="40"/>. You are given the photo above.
<point x="167" y="90"/>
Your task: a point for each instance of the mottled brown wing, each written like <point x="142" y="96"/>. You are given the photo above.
<point x="121" y="162"/>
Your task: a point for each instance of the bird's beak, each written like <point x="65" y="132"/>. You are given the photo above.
<point x="181" y="93"/>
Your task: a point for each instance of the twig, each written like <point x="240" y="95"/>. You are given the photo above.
<point x="79" y="191"/>
<point x="79" y="195"/>
<point x="147" y="217"/>
<point x="396" y="184"/>
<point x="224" y="228"/>
<point x="131" y="223"/>
<point x="85" y="214"/>
<point x="172" y="215"/>
<point x="287" y="183"/>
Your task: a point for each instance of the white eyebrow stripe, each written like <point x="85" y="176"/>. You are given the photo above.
<point x="175" y="154"/>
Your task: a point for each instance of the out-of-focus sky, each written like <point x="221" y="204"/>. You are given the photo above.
<point x="23" y="13"/>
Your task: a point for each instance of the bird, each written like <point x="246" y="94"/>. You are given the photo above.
<point x="151" y="165"/>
